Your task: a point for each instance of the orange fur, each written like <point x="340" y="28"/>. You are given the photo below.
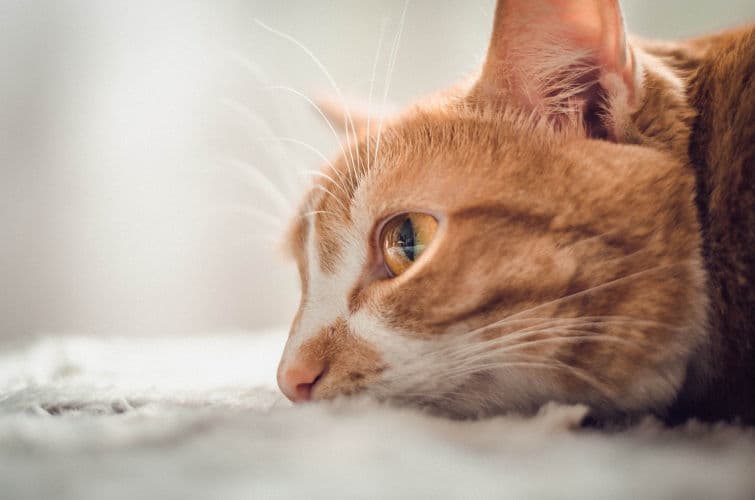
<point x="568" y="259"/>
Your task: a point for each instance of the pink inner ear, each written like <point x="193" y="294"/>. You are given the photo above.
<point x="558" y="56"/>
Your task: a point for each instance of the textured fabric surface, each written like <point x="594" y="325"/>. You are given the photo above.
<point x="199" y="418"/>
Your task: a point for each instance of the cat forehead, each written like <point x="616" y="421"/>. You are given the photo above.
<point x="437" y="161"/>
<point x="329" y="209"/>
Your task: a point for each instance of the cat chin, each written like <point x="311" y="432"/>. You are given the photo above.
<point x="479" y="396"/>
<point x="486" y="395"/>
<point x="591" y="417"/>
<point x="551" y="414"/>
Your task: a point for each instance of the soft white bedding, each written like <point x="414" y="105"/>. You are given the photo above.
<point x="201" y="418"/>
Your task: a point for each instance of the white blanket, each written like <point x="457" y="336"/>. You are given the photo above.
<point x="200" y="418"/>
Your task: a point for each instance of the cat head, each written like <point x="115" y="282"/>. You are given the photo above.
<point x="519" y="239"/>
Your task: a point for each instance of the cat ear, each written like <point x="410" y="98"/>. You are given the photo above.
<point x="565" y="59"/>
<point x="342" y="114"/>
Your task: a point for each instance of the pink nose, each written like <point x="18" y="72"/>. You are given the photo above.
<point x="298" y="378"/>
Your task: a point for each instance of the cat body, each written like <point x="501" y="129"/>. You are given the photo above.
<point x="721" y="91"/>
<point x="574" y="224"/>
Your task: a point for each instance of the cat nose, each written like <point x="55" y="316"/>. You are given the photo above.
<point x="298" y="378"/>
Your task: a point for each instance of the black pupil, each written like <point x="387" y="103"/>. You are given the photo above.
<point x="406" y="239"/>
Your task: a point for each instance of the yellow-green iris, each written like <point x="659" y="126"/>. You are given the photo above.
<point x="404" y="238"/>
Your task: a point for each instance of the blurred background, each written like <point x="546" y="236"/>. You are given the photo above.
<point x="149" y="157"/>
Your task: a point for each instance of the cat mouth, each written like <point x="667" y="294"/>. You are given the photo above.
<point x="353" y="383"/>
<point x="317" y="384"/>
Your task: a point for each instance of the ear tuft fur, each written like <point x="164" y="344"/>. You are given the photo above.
<point x="566" y="60"/>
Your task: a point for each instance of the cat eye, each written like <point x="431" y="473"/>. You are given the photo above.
<point x="404" y="239"/>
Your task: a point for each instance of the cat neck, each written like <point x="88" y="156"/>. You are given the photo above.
<point x="719" y="147"/>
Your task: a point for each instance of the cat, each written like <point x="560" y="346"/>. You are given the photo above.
<point x="574" y="223"/>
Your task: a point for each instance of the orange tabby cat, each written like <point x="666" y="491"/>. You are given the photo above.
<point x="575" y="224"/>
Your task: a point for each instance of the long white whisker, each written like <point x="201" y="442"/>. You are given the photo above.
<point x="471" y="335"/>
<point x="309" y="147"/>
<point x="317" y="173"/>
<point x="260" y="180"/>
<point x="303" y="144"/>
<point x="463" y="372"/>
<point x="316" y="212"/>
<point x="372" y="88"/>
<point x="580" y="322"/>
<point x="389" y="76"/>
<point x="348" y="121"/>
<point x="460" y="345"/>
<point x="253" y="68"/>
<point x="581" y="293"/>
<point x="405" y="384"/>
<point x="514" y="338"/>
<point x="461" y="353"/>
<point x="486" y="363"/>
<point x="338" y="200"/>
<point x="540" y="324"/>
<point x="244" y="111"/>
<point x="578" y="336"/>
<point x="577" y="372"/>
<point x="318" y="109"/>
<point x="445" y="354"/>
<point x="502" y="345"/>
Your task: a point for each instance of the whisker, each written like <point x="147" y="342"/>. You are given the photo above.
<point x="262" y="181"/>
<point x="317" y="173"/>
<point x="445" y="353"/>
<point x="503" y="345"/>
<point x="259" y="74"/>
<point x="316" y="212"/>
<point x="576" y="372"/>
<point x="582" y="293"/>
<point x="389" y="76"/>
<point x="326" y="191"/>
<point x="587" y="321"/>
<point x="372" y="88"/>
<point x="322" y="157"/>
<point x="301" y="143"/>
<point x="576" y="338"/>
<point x="461" y="360"/>
<point x="463" y="355"/>
<point x="540" y="323"/>
<point x="283" y="157"/>
<point x="555" y="324"/>
<point x="320" y="112"/>
<point x="487" y="363"/>
<point x="590" y="239"/>
<point x="435" y="357"/>
<point x="464" y="372"/>
<point x="253" y="68"/>
<point x="348" y="120"/>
